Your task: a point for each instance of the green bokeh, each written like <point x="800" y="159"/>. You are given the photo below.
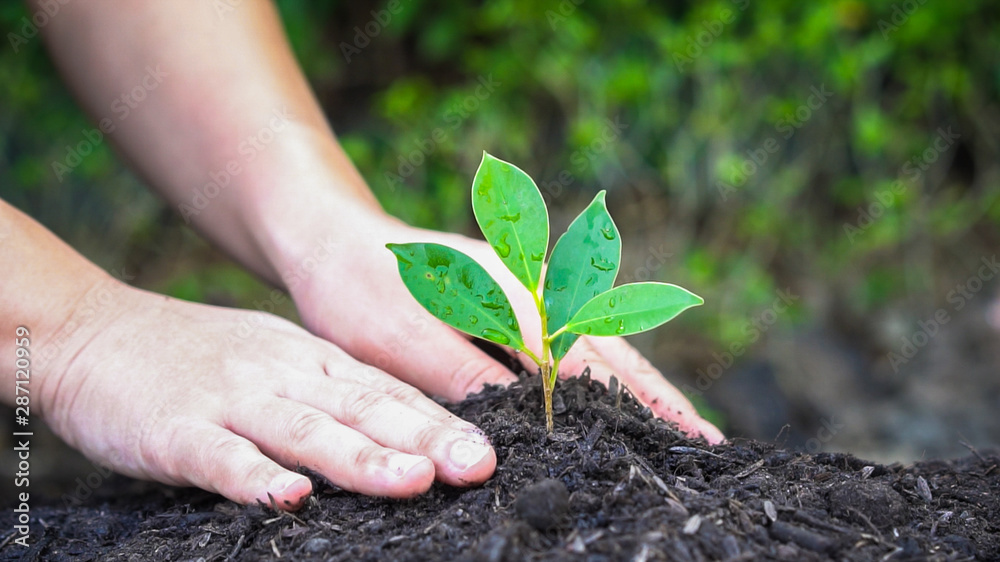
<point x="702" y="89"/>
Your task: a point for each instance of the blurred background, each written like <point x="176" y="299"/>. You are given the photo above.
<point x="825" y="174"/>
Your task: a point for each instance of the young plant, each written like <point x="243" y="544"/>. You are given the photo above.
<point x="573" y="292"/>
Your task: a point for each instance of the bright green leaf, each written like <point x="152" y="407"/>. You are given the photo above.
<point x="584" y="264"/>
<point x="630" y="309"/>
<point x="458" y="291"/>
<point x="512" y="215"/>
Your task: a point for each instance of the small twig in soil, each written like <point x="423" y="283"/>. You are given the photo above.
<point x="7" y="540"/>
<point x="692" y="451"/>
<point x="865" y="518"/>
<point x="780" y="431"/>
<point x="750" y="469"/>
<point x="236" y="549"/>
<point x="274" y="548"/>
<point x="964" y="442"/>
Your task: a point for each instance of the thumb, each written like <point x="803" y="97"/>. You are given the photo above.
<point x="440" y="361"/>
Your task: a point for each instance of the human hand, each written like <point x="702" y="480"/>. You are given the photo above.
<point x="391" y="330"/>
<point x="230" y="400"/>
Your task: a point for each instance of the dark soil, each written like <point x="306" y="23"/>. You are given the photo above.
<point x="612" y="483"/>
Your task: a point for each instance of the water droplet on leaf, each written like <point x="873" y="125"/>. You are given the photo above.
<point x="608" y="233"/>
<point x="511" y="218"/>
<point x="502" y="247"/>
<point x="611" y="302"/>
<point x="602" y="264"/>
<point x="473" y="319"/>
<point x="621" y="327"/>
<point x="538" y="256"/>
<point x="495" y="336"/>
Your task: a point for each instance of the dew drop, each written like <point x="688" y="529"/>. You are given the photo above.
<point x="602" y="264"/>
<point x="484" y="191"/>
<point x="512" y="324"/>
<point x="447" y="312"/>
<point x="591" y="280"/>
<point x="495" y="336"/>
<point x="492" y="305"/>
<point x="473" y="319"/>
<point x="608" y="233"/>
<point x="611" y="303"/>
<point x="511" y="218"/>
<point x="538" y="256"/>
<point x="502" y="247"/>
<point x="589" y="329"/>
<point x="621" y="327"/>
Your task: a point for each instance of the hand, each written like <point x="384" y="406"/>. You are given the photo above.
<point x="361" y="289"/>
<point x="230" y="400"/>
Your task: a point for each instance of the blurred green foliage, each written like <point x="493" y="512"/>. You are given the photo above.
<point x="709" y="124"/>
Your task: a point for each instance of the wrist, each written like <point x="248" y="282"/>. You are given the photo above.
<point x="304" y="202"/>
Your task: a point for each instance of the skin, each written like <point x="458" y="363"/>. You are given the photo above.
<point x="230" y="400"/>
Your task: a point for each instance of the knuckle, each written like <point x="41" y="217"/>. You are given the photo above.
<point x="404" y="393"/>
<point x="471" y="375"/>
<point x="363" y="404"/>
<point x="303" y="424"/>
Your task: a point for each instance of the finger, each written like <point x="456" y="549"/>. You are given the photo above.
<point x="216" y="459"/>
<point x="294" y="433"/>
<point x="435" y="358"/>
<point x="460" y="452"/>
<point x="649" y="385"/>
<point x="341" y="367"/>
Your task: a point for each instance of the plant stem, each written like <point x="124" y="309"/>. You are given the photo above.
<point x="547" y="391"/>
<point x="547" y="383"/>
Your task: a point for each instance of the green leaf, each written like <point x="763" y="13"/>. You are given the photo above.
<point x="630" y="309"/>
<point x="458" y="291"/>
<point x="584" y="264"/>
<point x="512" y="215"/>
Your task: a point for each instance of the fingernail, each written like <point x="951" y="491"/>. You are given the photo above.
<point x="467" y="453"/>
<point x="284" y="481"/>
<point x="401" y="463"/>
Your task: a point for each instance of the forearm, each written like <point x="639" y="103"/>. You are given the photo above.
<point x="212" y="110"/>
<point x="45" y="289"/>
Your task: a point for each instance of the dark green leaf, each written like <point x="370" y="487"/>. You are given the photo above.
<point x="584" y="264"/>
<point x="630" y="309"/>
<point x="512" y="215"/>
<point x="458" y="291"/>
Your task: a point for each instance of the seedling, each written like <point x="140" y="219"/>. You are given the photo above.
<point x="573" y="292"/>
